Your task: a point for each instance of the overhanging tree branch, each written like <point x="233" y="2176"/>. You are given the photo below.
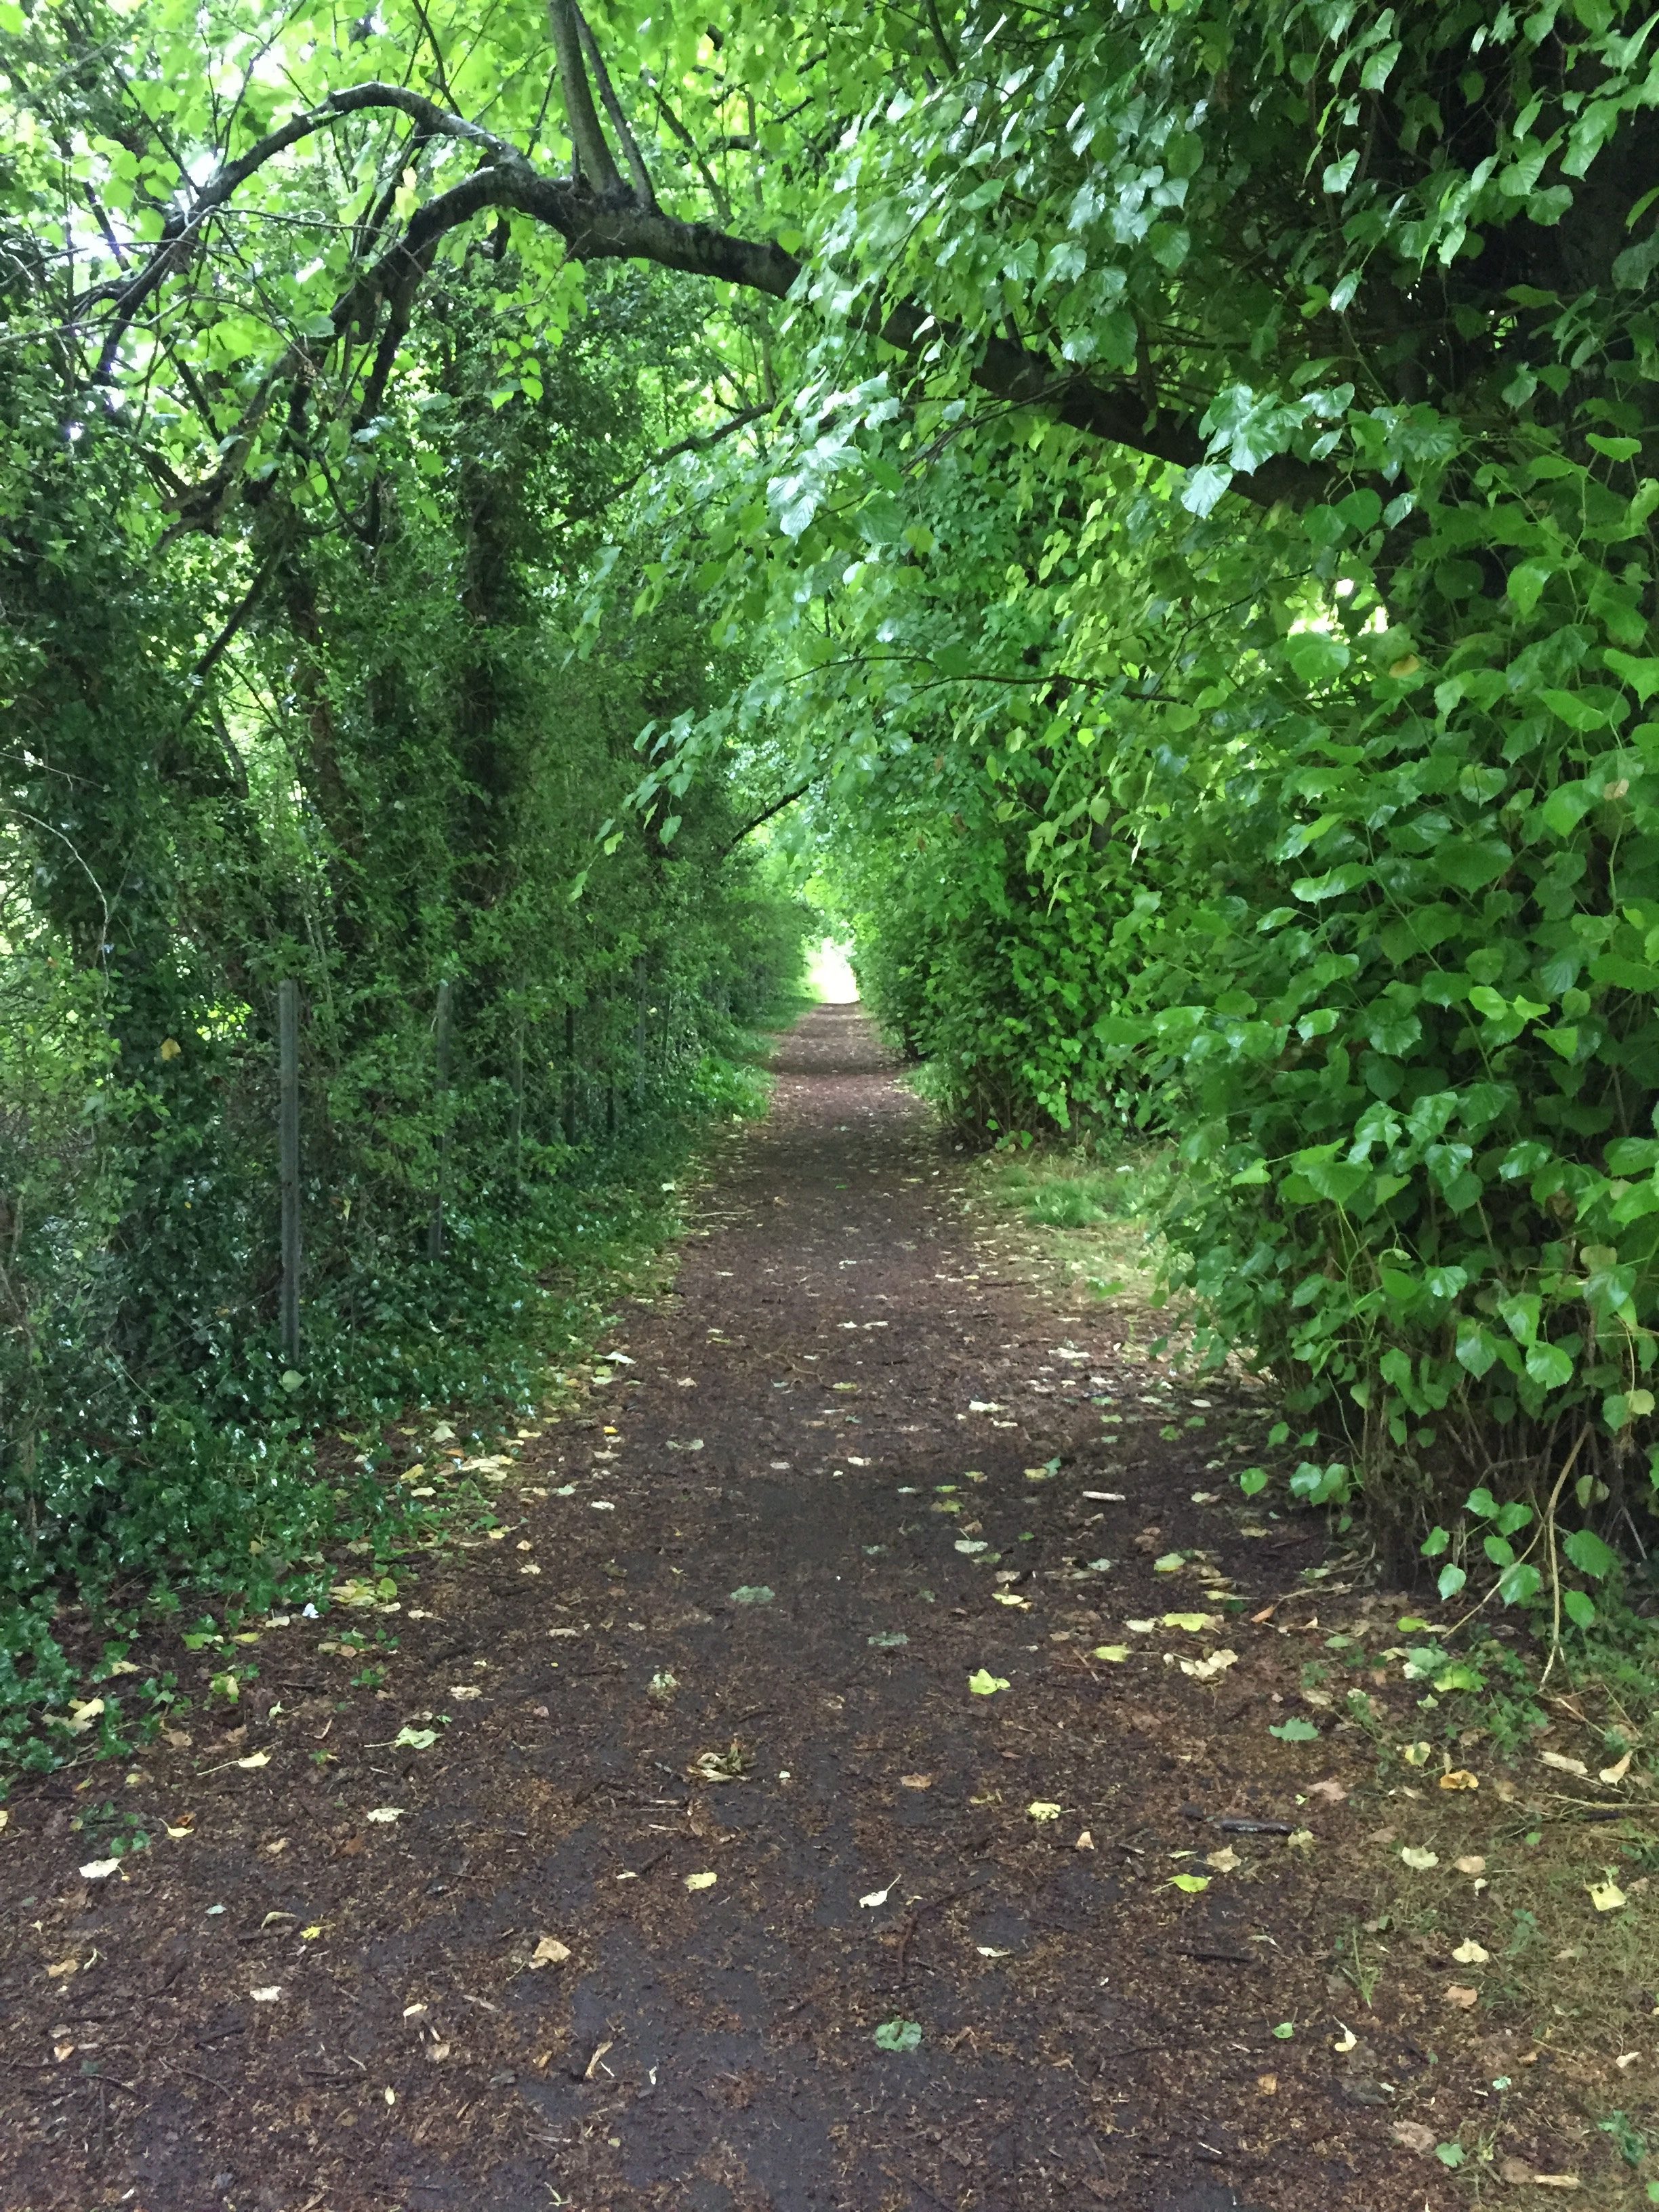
<point x="613" y="224"/>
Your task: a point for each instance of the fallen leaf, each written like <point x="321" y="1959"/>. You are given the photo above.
<point x="1086" y="1842"/>
<point x="1415" y="1857"/>
<point x="463" y="1691"/>
<point x="1460" y="1778"/>
<point x="1013" y="1598"/>
<point x="63" y="1970"/>
<point x="1190" y="1883"/>
<point x="1225" y="1861"/>
<point x="1300" y="1840"/>
<point x="878" y="1896"/>
<point x="1117" y="1653"/>
<point x="915" y="1782"/>
<point x="1616" y="1773"/>
<point x="1345" y="2042"/>
<point x="1471" y="1954"/>
<point x="1473" y="1864"/>
<point x="1417" y="1754"/>
<point x="989" y="1950"/>
<point x="385" y="1814"/>
<point x="1412" y="2134"/>
<point x="753" y="1594"/>
<point x="1195" y="1624"/>
<point x="255" y="1759"/>
<point x="548" y="1952"/>
<point x="1513" y="2171"/>
<point x="985" y="1685"/>
<point x="1169" y="1562"/>
<point x="1140" y="1627"/>
<point x="415" y="1739"/>
<point x="101" y="1869"/>
<point x="701" y="1880"/>
<point x="1564" y="1765"/>
<point x="1463" y="1997"/>
<point x="1606" y="1896"/>
<point x="1207" y="1670"/>
<point x="1040" y="1809"/>
<point x="1267" y="2085"/>
<point x="1556" y="2181"/>
<point x="266" y="1996"/>
<point x="1331" y="1792"/>
<point x="186" y="1827"/>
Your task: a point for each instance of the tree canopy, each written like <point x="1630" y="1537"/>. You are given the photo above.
<point x="1154" y="503"/>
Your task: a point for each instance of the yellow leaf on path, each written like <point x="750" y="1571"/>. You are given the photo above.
<point x="1086" y="1842"/>
<point x="548" y="1952"/>
<point x="1417" y="1754"/>
<point x="1267" y="2085"/>
<point x="1460" y="1778"/>
<point x="463" y="1691"/>
<point x="1040" y="1809"/>
<point x="4" y="1816"/>
<point x="1225" y="1861"/>
<point x="1616" y="1773"/>
<point x="915" y="1782"/>
<point x="63" y="1968"/>
<point x="310" y="1934"/>
<point x="1331" y="1792"/>
<point x="1011" y="1597"/>
<point x="98" y="1870"/>
<point x="1345" y="2042"/>
<point x="266" y="1996"/>
<point x="1556" y="2181"/>
<point x="1206" y="1670"/>
<point x="255" y="1759"/>
<point x="1191" y="1883"/>
<point x="1473" y="1864"/>
<point x="1462" y="1997"/>
<point x="701" y="1880"/>
<point x="1471" y="1954"/>
<point x="186" y="1827"/>
<point x="1418" y="1859"/>
<point x="1607" y="1896"/>
<point x="984" y="1684"/>
<point x="384" y="1816"/>
<point x="1117" y="1653"/>
<point x="1195" y="1624"/>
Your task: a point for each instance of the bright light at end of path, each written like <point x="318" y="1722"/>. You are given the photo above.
<point x="830" y="975"/>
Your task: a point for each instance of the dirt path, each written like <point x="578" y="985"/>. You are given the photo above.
<point x="837" y="1349"/>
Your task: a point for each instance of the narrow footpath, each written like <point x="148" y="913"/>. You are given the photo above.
<point x="779" y="1839"/>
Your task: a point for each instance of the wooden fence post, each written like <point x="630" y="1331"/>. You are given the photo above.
<point x="516" y="1124"/>
<point x="434" y="1231"/>
<point x="287" y="1141"/>
<point x="570" y="1075"/>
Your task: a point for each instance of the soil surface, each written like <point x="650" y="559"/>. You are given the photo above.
<point x="711" y="1799"/>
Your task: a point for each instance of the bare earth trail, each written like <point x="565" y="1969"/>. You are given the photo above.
<point x="835" y="1348"/>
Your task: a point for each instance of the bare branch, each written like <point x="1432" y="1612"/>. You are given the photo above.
<point x="644" y="191"/>
<point x="592" y="154"/>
